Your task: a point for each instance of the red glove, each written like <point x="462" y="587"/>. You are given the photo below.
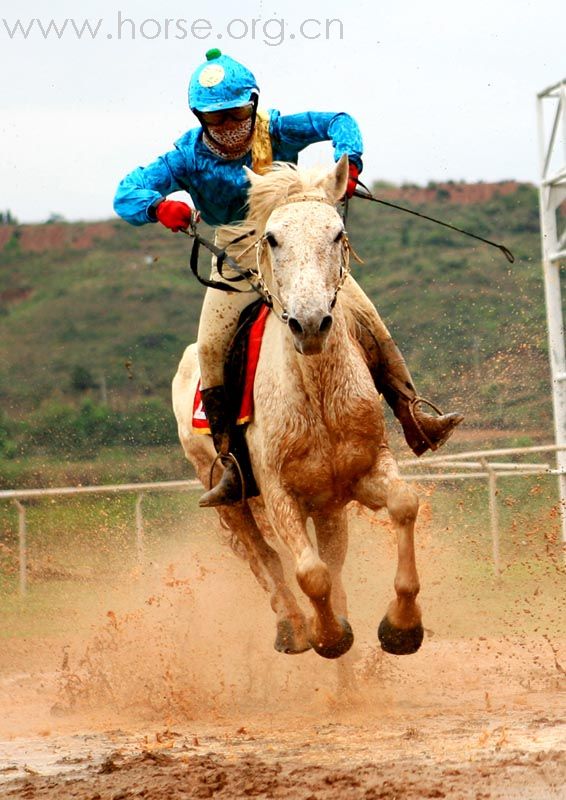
<point x="353" y="173"/>
<point x="175" y="215"/>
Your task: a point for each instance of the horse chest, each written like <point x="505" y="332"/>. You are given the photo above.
<point x="327" y="451"/>
<point x="319" y="424"/>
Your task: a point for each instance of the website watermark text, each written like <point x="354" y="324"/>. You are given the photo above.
<point x="272" y="31"/>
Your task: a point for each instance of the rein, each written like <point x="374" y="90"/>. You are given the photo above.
<point x="254" y="276"/>
<point x="221" y="258"/>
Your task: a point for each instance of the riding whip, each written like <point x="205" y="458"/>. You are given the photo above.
<point x="367" y="195"/>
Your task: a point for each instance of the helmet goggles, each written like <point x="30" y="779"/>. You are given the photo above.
<point x="238" y="114"/>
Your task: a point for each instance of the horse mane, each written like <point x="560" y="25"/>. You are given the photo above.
<point x="281" y="182"/>
<point x="278" y="183"/>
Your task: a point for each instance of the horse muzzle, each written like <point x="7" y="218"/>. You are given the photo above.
<point x="310" y="332"/>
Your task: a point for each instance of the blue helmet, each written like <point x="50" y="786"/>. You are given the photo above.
<point x="219" y="83"/>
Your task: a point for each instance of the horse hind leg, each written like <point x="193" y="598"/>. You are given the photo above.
<point x="264" y="561"/>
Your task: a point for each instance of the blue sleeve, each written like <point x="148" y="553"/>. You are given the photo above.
<point x="300" y="130"/>
<point x="142" y="187"/>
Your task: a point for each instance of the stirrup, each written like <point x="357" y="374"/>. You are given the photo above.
<point x="228" y="457"/>
<point x="412" y="405"/>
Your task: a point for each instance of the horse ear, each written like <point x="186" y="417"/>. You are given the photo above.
<point x="252" y="176"/>
<point x="336" y="182"/>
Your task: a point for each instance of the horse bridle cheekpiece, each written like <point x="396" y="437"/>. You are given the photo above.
<point x="254" y="276"/>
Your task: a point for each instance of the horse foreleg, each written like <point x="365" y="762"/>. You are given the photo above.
<point x="330" y="636"/>
<point x="265" y="563"/>
<point x="400" y="631"/>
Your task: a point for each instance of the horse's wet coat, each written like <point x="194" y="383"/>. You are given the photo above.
<point x="318" y="439"/>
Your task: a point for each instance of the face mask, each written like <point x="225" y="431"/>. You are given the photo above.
<point x="230" y="140"/>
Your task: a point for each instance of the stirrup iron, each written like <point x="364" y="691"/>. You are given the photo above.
<point x="228" y="457"/>
<point x="413" y="403"/>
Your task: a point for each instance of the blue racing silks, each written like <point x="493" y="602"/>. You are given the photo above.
<point x="218" y="187"/>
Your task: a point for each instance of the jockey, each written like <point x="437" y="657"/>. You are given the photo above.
<point x="207" y="162"/>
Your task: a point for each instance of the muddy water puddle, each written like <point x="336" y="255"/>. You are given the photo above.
<point x="411" y="736"/>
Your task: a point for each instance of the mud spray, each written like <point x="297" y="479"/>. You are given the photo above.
<point x="174" y="687"/>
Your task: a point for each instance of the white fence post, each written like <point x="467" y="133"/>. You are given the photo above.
<point x="552" y="193"/>
<point x="493" y="516"/>
<point x="22" y="547"/>
<point x="139" y="529"/>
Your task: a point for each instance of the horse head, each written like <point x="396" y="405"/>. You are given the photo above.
<point x="303" y="250"/>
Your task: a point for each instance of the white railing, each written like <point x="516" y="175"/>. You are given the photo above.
<point x="478" y="464"/>
<point x="17" y="495"/>
<point x="470" y="465"/>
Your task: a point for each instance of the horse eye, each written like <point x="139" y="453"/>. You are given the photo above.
<point x="339" y="235"/>
<point x="271" y="240"/>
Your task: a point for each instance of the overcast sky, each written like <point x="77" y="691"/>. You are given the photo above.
<point x="441" y="89"/>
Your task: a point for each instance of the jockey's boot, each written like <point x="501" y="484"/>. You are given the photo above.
<point x="393" y="380"/>
<point x="422" y="431"/>
<point x="227" y="440"/>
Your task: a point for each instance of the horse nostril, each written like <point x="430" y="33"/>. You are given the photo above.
<point x="326" y="323"/>
<point x="295" y="326"/>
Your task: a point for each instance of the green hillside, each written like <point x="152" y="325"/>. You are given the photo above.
<point x="103" y="311"/>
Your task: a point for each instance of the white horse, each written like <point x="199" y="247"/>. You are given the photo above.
<point x="317" y="440"/>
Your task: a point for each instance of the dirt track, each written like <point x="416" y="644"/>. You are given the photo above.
<point x="182" y="696"/>
<point x="442" y="735"/>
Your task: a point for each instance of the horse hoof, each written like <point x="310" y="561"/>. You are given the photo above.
<point x="397" y="641"/>
<point x="342" y="646"/>
<point x="287" y="641"/>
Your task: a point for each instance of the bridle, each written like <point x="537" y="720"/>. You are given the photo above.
<point x="254" y="275"/>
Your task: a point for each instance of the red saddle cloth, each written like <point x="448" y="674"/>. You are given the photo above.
<point x="255" y="338"/>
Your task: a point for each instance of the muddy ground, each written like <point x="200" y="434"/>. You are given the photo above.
<point x="173" y="690"/>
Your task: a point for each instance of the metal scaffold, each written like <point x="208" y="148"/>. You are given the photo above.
<point x="551" y="112"/>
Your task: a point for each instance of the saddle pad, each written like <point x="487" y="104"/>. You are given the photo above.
<point x="246" y="406"/>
